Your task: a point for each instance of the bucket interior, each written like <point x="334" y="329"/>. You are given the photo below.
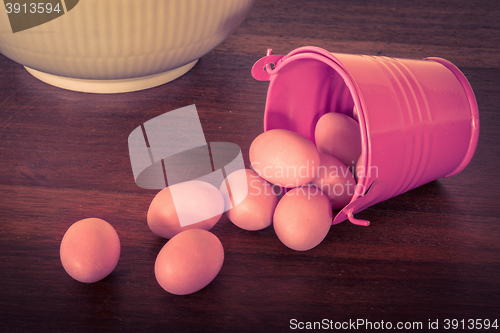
<point x="302" y="92"/>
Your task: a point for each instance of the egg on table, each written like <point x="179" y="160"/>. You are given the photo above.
<point x="250" y="200"/>
<point x="303" y="218"/>
<point x="188" y="205"/>
<point x="90" y="250"/>
<point x="284" y="158"/>
<point x="189" y="261"/>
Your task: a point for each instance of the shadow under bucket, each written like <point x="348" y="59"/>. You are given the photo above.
<point x="418" y="119"/>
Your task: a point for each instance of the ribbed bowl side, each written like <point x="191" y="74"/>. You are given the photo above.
<point x="119" y="39"/>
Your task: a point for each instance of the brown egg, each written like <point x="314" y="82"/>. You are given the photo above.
<point x="284" y="158"/>
<point x="250" y="200"/>
<point x="188" y="205"/>
<point x="339" y="136"/>
<point x="303" y="218"/>
<point x="189" y="261"/>
<point x="90" y="250"/>
<point x="335" y="180"/>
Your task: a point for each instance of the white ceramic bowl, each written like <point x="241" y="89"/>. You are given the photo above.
<point x="109" y="46"/>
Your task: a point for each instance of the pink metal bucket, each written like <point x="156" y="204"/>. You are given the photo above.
<point x="419" y="119"/>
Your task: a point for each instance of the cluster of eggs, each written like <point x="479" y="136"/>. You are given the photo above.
<point x="315" y="178"/>
<point x="294" y="184"/>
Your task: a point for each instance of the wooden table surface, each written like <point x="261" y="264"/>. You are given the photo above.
<point x="430" y="254"/>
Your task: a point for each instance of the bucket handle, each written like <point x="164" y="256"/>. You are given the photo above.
<point x="376" y="190"/>
<point x="269" y="65"/>
<point x="262" y="70"/>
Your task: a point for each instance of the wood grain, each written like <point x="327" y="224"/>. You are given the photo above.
<point x="431" y="253"/>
